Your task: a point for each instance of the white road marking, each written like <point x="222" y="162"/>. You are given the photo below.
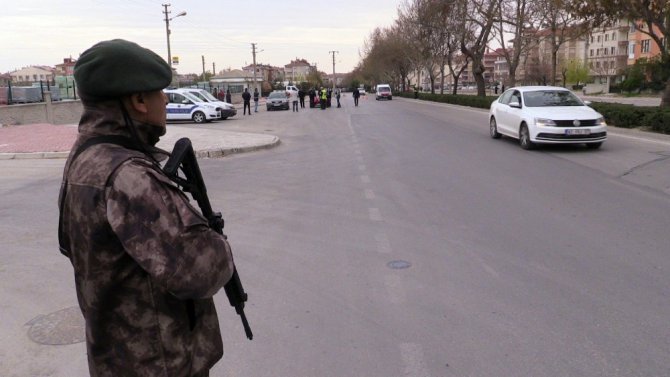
<point x="383" y="243"/>
<point x="413" y="360"/>
<point x="374" y="214"/>
<point x="660" y="142"/>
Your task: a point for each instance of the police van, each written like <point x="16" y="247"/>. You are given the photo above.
<point x="185" y="106"/>
<point x="227" y="109"/>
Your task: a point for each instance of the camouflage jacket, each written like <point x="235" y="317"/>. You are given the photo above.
<point x="146" y="264"/>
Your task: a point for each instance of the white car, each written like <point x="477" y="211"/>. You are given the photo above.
<point x="227" y="109"/>
<point x="184" y="106"/>
<point x="383" y="91"/>
<point x="546" y="115"/>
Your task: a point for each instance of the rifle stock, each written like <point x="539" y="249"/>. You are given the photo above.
<point x="183" y="157"/>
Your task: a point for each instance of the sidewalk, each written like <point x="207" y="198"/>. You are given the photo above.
<point x="49" y="141"/>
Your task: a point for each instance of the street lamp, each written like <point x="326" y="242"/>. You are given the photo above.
<point x="167" y="29"/>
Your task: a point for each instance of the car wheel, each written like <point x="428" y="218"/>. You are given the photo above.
<point x="390" y="98"/>
<point x="594" y="145"/>
<point x="493" y="128"/>
<point x="224" y="118"/>
<point x="524" y="138"/>
<point x="199" y="117"/>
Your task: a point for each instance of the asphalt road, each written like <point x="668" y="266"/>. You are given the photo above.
<point x="398" y="239"/>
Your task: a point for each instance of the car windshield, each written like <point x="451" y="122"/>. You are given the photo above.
<point x="208" y="96"/>
<point x="384" y="90"/>
<point x="199" y="96"/>
<point x="542" y="98"/>
<point x="277" y="95"/>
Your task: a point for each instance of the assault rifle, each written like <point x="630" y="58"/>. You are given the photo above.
<point x="183" y="158"/>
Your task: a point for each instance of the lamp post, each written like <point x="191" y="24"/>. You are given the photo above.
<point x="167" y="29"/>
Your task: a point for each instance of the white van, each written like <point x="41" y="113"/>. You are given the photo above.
<point x="185" y="106"/>
<point x="227" y="109"/>
<point x="383" y="91"/>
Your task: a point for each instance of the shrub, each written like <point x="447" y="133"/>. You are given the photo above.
<point x="622" y="115"/>
<point x="658" y="121"/>
<point x="458" y="99"/>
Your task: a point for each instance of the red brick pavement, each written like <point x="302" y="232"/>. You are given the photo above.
<point x="37" y="138"/>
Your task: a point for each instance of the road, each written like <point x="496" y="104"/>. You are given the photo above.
<point x="398" y="239"/>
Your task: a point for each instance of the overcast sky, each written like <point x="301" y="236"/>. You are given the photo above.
<point x="40" y="32"/>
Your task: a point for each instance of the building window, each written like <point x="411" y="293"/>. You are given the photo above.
<point x="613" y="36"/>
<point x="591" y="52"/>
<point x="34" y="77"/>
<point x="605" y="51"/>
<point x="597" y="64"/>
<point x="631" y="50"/>
<point x="597" y="52"/>
<point x="613" y="51"/>
<point x="592" y="39"/>
<point x="598" y="38"/>
<point x="645" y="46"/>
<point x="607" y="37"/>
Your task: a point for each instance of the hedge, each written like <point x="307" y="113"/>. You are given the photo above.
<point x="616" y="114"/>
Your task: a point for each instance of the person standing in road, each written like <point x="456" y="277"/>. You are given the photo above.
<point x="301" y="96"/>
<point x="146" y="263"/>
<point x="293" y="97"/>
<point x="324" y="98"/>
<point x="312" y="96"/>
<point x="222" y="95"/>
<point x="337" y="96"/>
<point x="229" y="98"/>
<point x="357" y="95"/>
<point x="256" y="95"/>
<point x="246" y="97"/>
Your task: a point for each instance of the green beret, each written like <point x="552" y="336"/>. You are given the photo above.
<point x="116" y="68"/>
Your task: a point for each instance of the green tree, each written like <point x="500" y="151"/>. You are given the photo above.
<point x="634" y="77"/>
<point x="577" y="72"/>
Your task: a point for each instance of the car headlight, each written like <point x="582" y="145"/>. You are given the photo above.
<point x="545" y="122"/>
<point x="601" y="122"/>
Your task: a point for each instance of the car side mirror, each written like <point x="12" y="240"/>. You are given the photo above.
<point x="587" y="103"/>
<point x="515" y="104"/>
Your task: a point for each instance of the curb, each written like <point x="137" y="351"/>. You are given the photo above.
<point x="207" y="153"/>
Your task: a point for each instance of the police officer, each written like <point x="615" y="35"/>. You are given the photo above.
<point x="146" y="264"/>
<point x="324" y="98"/>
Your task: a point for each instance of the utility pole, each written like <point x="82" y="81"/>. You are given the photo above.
<point x="203" y="67"/>
<point x="213" y="69"/>
<point x="167" y="29"/>
<point x="253" y="52"/>
<point x="333" y="52"/>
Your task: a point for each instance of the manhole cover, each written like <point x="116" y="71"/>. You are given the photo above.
<point x="398" y="264"/>
<point x="65" y="326"/>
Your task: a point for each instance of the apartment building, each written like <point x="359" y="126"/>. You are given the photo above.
<point x="640" y="44"/>
<point x="608" y="53"/>
<point x="297" y="70"/>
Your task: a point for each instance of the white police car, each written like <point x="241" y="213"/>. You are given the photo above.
<point x="185" y="106"/>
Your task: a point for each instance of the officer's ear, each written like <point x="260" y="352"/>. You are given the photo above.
<point x="136" y="103"/>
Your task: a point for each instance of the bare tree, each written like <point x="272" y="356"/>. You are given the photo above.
<point x="517" y="20"/>
<point x="479" y="18"/>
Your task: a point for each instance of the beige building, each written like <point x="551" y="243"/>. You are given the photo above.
<point x="608" y="53"/>
<point x="32" y="74"/>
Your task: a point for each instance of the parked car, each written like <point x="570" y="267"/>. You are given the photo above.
<point x="546" y="115"/>
<point x="383" y="92"/>
<point x="227" y="109"/>
<point x="277" y="100"/>
<point x="184" y="106"/>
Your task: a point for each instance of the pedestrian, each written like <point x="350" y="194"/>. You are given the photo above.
<point x="222" y="95"/>
<point x="246" y="97"/>
<point x="215" y="92"/>
<point x="256" y="100"/>
<point x="312" y="95"/>
<point x="416" y="92"/>
<point x="337" y="95"/>
<point x="229" y="98"/>
<point x="329" y="95"/>
<point x="357" y="95"/>
<point x="293" y="97"/>
<point x="146" y="263"/>
<point x="301" y="96"/>
<point x="323" y="99"/>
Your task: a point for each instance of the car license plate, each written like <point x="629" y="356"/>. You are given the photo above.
<point x="581" y="131"/>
